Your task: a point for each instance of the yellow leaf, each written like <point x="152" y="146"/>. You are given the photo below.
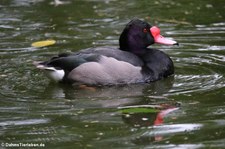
<point x="43" y="43"/>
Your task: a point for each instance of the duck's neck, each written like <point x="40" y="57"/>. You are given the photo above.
<point x="137" y="50"/>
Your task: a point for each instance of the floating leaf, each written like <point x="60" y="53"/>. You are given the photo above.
<point x="43" y="43"/>
<point x="139" y="110"/>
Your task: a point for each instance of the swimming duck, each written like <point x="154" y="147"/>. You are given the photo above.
<point x="132" y="62"/>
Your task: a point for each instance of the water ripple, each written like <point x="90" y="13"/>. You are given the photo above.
<point x="195" y="83"/>
<point x="173" y="128"/>
<point x="24" y="122"/>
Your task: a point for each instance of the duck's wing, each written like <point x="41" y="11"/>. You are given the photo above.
<point x="69" y="61"/>
<point x="114" y="53"/>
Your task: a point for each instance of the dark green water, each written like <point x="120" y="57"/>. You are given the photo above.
<point x="33" y="110"/>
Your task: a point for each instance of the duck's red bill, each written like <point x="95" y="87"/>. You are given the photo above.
<point x="155" y="31"/>
<point x="162" y="40"/>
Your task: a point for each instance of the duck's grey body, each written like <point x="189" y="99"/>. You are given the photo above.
<point x="106" y="71"/>
<point x="113" y="66"/>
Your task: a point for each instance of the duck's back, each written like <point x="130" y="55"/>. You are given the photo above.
<point x="113" y="52"/>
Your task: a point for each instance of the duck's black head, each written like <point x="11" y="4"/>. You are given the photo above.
<point x="138" y="35"/>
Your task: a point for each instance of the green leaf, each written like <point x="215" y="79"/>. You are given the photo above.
<point x="139" y="110"/>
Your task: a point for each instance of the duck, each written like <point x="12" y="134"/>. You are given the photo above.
<point x="132" y="62"/>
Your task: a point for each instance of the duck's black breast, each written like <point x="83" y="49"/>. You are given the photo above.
<point x="157" y="65"/>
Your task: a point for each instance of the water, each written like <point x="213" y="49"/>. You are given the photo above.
<point x="184" y="111"/>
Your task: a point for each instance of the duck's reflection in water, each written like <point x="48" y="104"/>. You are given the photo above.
<point x="111" y="96"/>
<point x="152" y="97"/>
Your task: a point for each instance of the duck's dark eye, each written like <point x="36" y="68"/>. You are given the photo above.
<point x="145" y="30"/>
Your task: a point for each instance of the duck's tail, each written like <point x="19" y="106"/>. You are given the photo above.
<point x="53" y="73"/>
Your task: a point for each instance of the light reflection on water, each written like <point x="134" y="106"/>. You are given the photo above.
<point x="23" y="122"/>
<point x="172" y="129"/>
<point x="34" y="110"/>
